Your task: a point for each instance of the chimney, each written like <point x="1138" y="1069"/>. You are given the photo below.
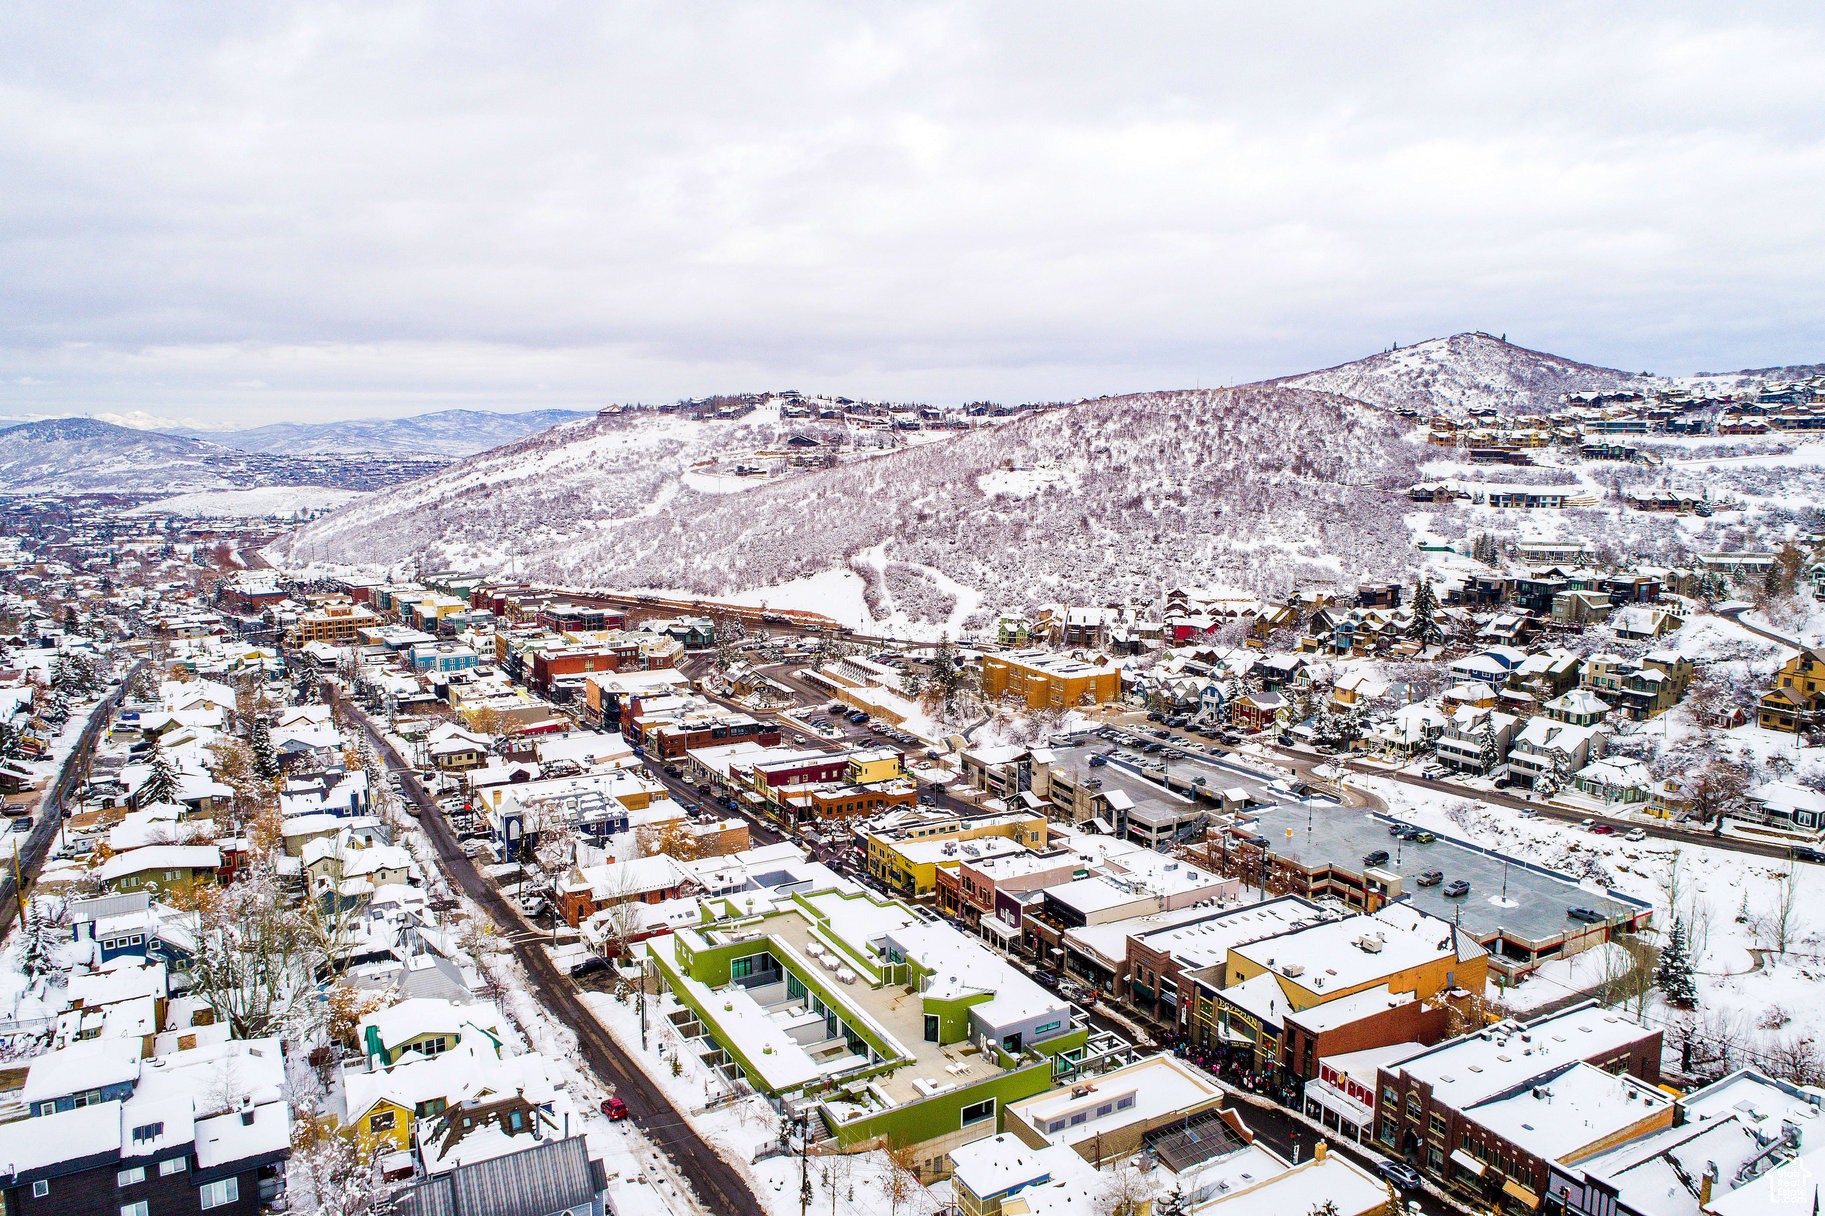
<point x="1318" y="1150"/>
<point x="1704" y="1192"/>
<point x="246" y="1111"/>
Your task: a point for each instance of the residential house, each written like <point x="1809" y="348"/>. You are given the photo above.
<point x="1477" y="740"/>
<point x="1798" y="697"/>
<point x="1552" y="750"/>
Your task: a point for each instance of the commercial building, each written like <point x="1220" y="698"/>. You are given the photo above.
<point x="1042" y="679"/>
<point x="892" y="1027"/>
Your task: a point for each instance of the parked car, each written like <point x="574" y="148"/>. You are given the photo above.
<point x="1457" y="888"/>
<point x="615" y="1109"/>
<point x="672" y="770"/>
<point x="1422" y="838"/>
<point x="1603" y="829"/>
<point x="1395" y="829"/>
<point x="1400" y="1174"/>
<point x="590" y="966"/>
<point x="1098" y="761"/>
<point x="1376" y="858"/>
<point x="1636" y="834"/>
<point x="1589" y="916"/>
<point x="1806" y="853"/>
<point x="1431" y="878"/>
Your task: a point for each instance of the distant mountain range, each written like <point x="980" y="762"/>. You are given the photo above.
<point x="445" y="433"/>
<point x="87" y="455"/>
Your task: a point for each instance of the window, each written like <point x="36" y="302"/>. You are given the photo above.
<point x="435" y="1047"/>
<point x="140" y="1208"/>
<point x="170" y="1166"/>
<point x="741" y="968"/>
<point x="135" y="940"/>
<point x="931" y="1028"/>
<point x="382" y="1122"/>
<point x="516" y="1120"/>
<point x="40" y="1189"/>
<point x="1106" y="1109"/>
<point x="1048" y="1028"/>
<point x="218" y="1194"/>
<point x="1078" y="1116"/>
<point x="1056" y="1125"/>
<point x="1124" y="1102"/>
<point x="129" y="1177"/>
<point x="978" y="1111"/>
<point x="148" y="1131"/>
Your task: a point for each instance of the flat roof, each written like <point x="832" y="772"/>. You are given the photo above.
<point x="1573" y="1110"/>
<point x="1476" y="1067"/>
<point x="1156" y="1086"/>
<point x="1205" y="939"/>
<point x="1537" y="898"/>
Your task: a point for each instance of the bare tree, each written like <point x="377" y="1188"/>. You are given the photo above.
<point x="1777" y="926"/>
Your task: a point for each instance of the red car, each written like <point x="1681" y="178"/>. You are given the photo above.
<point x="1602" y="829"/>
<point x="615" y="1109"/>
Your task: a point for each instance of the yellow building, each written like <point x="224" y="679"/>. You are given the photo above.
<point x="880" y="764"/>
<point x="1397" y="946"/>
<point x="336" y="624"/>
<point x="907" y="858"/>
<point x="1042" y="679"/>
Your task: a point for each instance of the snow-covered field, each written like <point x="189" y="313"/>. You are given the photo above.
<point x="257" y="503"/>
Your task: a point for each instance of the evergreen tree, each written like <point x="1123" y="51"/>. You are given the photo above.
<point x="36" y="959"/>
<point x="265" y="759"/>
<point x="1489" y="751"/>
<point x="1424" y="627"/>
<point x="69" y="618"/>
<point x="161" y="784"/>
<point x="1673" y="974"/>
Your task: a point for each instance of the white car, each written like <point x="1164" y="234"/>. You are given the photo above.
<point x="1636" y="834"/>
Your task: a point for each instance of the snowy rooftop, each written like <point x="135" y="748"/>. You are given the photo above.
<point x="1469" y="1070"/>
<point x="1578" y="1108"/>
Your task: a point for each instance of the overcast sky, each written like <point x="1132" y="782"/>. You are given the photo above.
<point x="239" y="213"/>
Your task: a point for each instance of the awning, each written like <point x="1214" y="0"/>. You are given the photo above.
<point x="1511" y="1187"/>
<point x="1469" y="1163"/>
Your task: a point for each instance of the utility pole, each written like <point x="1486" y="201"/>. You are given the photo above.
<point x="804" y="1166"/>
<point x="642" y="1003"/>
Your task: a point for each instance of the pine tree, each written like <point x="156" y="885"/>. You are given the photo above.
<point x="265" y="760"/>
<point x="161" y="784"/>
<point x="1673" y="974"/>
<point x="1490" y="753"/>
<point x="36" y="958"/>
<point x="1424" y="626"/>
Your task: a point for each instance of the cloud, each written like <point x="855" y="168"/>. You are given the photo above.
<point x="247" y="212"/>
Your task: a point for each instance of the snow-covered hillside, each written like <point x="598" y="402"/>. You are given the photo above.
<point x="1115" y="495"/>
<point x="72" y="455"/>
<point x="1465" y="371"/>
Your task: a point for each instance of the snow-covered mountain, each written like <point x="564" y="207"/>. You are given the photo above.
<point x="1466" y="371"/>
<point x="445" y="433"/>
<point x="87" y="455"/>
<point x="1082" y="503"/>
<point x="72" y="455"/>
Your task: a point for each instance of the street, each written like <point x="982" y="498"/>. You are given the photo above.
<point x="719" y="1187"/>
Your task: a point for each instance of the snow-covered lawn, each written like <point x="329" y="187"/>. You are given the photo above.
<point x="1734" y="905"/>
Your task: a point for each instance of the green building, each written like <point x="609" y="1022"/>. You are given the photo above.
<point x="894" y="1027"/>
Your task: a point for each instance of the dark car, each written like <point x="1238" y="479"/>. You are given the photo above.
<point x="1589" y="916"/>
<point x="1457" y="888"/>
<point x="1803" y="853"/>
<point x="1156" y="717"/>
<point x="1154" y="748"/>
<point x="1378" y="857"/>
<point x="1431" y="878"/>
<point x="590" y="966"/>
<point x="1399" y="1173"/>
<point x="1098" y="761"/>
<point x="1395" y="829"/>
